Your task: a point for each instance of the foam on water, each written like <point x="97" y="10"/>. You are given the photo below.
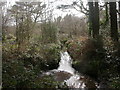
<point x="66" y="65"/>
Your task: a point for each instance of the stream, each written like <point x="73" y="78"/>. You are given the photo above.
<point x="66" y="73"/>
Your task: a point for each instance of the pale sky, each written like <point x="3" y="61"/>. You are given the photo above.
<point x="54" y="3"/>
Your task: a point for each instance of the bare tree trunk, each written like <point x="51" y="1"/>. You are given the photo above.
<point x="113" y="21"/>
<point x="90" y="17"/>
<point x="96" y="21"/>
<point x="119" y="13"/>
<point x="106" y="11"/>
<point x="93" y="19"/>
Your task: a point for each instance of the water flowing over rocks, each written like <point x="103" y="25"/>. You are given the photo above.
<point x="66" y="63"/>
<point x="65" y="73"/>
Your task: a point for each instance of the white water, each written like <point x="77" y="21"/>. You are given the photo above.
<point x="66" y="65"/>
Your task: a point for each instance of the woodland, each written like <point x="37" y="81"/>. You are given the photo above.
<point x="32" y="38"/>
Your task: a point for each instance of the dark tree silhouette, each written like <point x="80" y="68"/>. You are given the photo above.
<point x="113" y="21"/>
<point x="93" y="19"/>
<point x="96" y="20"/>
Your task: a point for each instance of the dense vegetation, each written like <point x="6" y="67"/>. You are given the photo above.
<point x="32" y="40"/>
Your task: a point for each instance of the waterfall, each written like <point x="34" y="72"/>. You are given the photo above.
<point x="75" y="80"/>
<point x="66" y="63"/>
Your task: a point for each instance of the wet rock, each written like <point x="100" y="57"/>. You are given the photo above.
<point x="61" y="76"/>
<point x="57" y="75"/>
<point x="103" y="84"/>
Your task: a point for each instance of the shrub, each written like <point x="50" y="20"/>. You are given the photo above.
<point x="16" y="75"/>
<point x="21" y="69"/>
<point x="114" y="82"/>
<point x="51" y="55"/>
<point x="88" y="55"/>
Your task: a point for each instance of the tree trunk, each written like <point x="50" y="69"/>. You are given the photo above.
<point x="90" y="18"/>
<point x="119" y="13"/>
<point x="113" y="21"/>
<point x="93" y="19"/>
<point x="106" y="12"/>
<point x="96" y="21"/>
